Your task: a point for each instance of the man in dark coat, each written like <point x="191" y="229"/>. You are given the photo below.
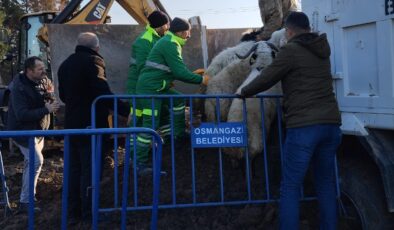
<point x="311" y="115"/>
<point x="82" y="78"/>
<point x="29" y="108"/>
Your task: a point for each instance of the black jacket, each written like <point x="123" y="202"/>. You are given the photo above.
<point x="303" y="66"/>
<point x="82" y="78"/>
<point x="26" y="107"/>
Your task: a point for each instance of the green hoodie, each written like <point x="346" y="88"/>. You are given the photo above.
<point x="139" y="52"/>
<point x="167" y="56"/>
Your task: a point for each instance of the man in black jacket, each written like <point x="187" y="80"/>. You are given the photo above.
<point x="311" y="115"/>
<point x="82" y="78"/>
<point x="28" y="109"/>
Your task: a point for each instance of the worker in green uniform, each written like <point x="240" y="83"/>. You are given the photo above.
<point x="163" y="66"/>
<point x="157" y="27"/>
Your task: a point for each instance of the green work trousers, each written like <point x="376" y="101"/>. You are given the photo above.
<point x="157" y="116"/>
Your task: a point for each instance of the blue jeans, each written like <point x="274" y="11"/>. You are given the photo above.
<point x="317" y="144"/>
<point x="38" y="161"/>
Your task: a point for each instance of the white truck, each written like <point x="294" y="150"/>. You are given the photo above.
<point x="361" y="35"/>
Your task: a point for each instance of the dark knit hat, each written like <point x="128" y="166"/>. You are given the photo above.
<point x="157" y="19"/>
<point x="179" y="24"/>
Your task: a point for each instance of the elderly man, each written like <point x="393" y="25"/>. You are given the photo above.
<point x="163" y="66"/>
<point x="311" y="115"/>
<point x="28" y="109"/>
<point x="82" y="78"/>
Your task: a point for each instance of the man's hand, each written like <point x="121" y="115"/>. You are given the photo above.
<point x="52" y="107"/>
<point x="205" y="79"/>
<point x="199" y="71"/>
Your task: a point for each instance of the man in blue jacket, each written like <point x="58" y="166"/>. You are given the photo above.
<point x="28" y="109"/>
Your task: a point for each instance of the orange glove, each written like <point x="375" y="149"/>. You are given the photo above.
<point x="199" y="71"/>
<point x="205" y="79"/>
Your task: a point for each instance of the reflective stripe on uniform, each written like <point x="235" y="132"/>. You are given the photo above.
<point x="144" y="140"/>
<point x="158" y="66"/>
<point x="178" y="108"/>
<point x="163" y="86"/>
<point x="132" y="61"/>
<point x="132" y="140"/>
<point x="149" y="112"/>
<point x="138" y="112"/>
<point x="165" y="129"/>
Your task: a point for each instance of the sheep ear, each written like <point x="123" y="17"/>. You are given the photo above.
<point x="272" y="46"/>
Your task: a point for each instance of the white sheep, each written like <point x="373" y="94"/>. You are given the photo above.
<point x="254" y="121"/>
<point x="230" y="78"/>
<point x="278" y="38"/>
<point x="226" y="82"/>
<point x="253" y="106"/>
<point x="221" y="61"/>
<point x="227" y="56"/>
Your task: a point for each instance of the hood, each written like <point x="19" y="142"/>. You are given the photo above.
<point x="317" y="44"/>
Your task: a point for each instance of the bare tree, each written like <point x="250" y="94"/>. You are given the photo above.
<point x="44" y="5"/>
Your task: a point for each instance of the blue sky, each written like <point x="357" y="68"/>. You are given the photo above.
<point x="213" y="13"/>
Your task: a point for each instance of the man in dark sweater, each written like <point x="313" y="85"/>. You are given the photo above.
<point x="28" y="109"/>
<point x="311" y="115"/>
<point x="82" y="78"/>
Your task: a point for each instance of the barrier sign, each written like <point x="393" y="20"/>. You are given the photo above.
<point x="211" y="135"/>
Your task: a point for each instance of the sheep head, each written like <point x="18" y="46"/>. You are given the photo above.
<point x="261" y="54"/>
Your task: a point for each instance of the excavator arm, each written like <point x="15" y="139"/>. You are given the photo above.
<point x="96" y="12"/>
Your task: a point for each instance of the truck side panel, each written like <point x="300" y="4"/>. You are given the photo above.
<point x="361" y="35"/>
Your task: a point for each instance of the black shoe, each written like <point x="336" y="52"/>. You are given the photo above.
<point x="24" y="208"/>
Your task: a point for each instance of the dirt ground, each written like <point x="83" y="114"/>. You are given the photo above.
<point x="262" y="216"/>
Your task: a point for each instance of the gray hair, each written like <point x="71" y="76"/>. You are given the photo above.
<point x="88" y="39"/>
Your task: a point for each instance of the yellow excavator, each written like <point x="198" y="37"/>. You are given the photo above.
<point x="33" y="34"/>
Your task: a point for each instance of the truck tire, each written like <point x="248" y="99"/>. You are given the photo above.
<point x="362" y="187"/>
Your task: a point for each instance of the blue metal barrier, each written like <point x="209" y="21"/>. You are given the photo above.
<point x="4" y="189"/>
<point x="268" y="198"/>
<point x="95" y="133"/>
